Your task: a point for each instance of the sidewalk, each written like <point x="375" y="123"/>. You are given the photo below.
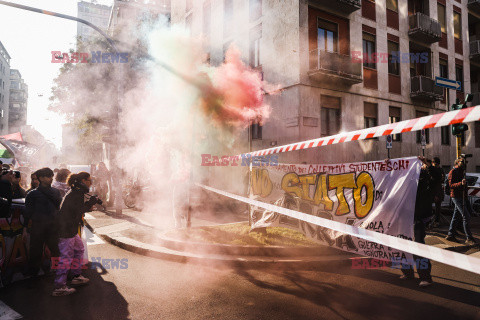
<point x="144" y="233"/>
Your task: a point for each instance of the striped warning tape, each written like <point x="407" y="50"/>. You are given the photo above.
<point x="444" y="256"/>
<point x="474" y="192"/>
<point x="431" y="121"/>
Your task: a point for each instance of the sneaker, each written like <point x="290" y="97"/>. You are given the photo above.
<point x="404" y="277"/>
<point x="451" y="238"/>
<point x="77" y="281"/>
<point x="425" y="283"/>
<point x="63" y="291"/>
<point x="470" y="242"/>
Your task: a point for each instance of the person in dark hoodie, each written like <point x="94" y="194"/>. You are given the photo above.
<point x="41" y="207"/>
<point x="6" y="192"/>
<point x="423" y="213"/>
<point x="70" y="244"/>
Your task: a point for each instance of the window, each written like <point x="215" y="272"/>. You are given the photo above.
<point x="327" y="36"/>
<point x="419" y="133"/>
<point x="459" y="74"/>
<point x="255" y="9"/>
<point x="477" y="134"/>
<point x="457" y="25"/>
<point x="207" y="17"/>
<point x="394" y="116"/>
<point x="255" y="37"/>
<point x="446" y="132"/>
<point x="228" y="17"/>
<point x="369" y="50"/>
<point x="256" y="131"/>
<point x="443" y="68"/>
<point x="393" y="64"/>
<point x="441" y="17"/>
<point x="330" y="115"/>
<point x="392" y="5"/>
<point x="369" y="115"/>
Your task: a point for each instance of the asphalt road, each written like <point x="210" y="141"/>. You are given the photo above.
<point x="157" y="289"/>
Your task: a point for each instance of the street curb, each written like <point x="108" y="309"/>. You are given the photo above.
<point x="220" y="260"/>
<point x="226" y="249"/>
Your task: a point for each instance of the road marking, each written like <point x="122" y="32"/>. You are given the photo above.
<point x="7" y="313"/>
<point x="92" y="239"/>
<point x="89" y="216"/>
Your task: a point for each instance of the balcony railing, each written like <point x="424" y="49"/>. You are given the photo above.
<point x="345" y="6"/>
<point x="331" y="66"/>
<point x="424" y="29"/>
<point x="424" y="88"/>
<point x="474" y="5"/>
<point x="475" y="50"/>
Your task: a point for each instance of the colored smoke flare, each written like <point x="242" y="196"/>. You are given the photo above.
<point x="233" y="95"/>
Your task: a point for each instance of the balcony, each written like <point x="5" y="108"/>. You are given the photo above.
<point x="475" y="50"/>
<point x="474" y="6"/>
<point x="334" y="68"/>
<point x="424" y="89"/>
<point x="344" y="6"/>
<point x="424" y="29"/>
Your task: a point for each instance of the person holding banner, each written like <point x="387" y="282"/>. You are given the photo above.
<point x="423" y="214"/>
<point x="458" y="193"/>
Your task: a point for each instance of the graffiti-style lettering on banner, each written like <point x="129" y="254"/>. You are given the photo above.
<point x="378" y="196"/>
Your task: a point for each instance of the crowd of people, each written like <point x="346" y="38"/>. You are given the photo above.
<point x="53" y="215"/>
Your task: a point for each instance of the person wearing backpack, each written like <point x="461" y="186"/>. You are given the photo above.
<point x="423" y="214"/>
<point x="458" y="193"/>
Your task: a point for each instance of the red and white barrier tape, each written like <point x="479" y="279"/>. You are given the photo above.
<point x="431" y="121"/>
<point x="457" y="260"/>
<point x="474" y="192"/>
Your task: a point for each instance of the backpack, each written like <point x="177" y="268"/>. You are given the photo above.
<point x="447" y="185"/>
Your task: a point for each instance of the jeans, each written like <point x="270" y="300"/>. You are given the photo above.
<point x="71" y="257"/>
<point x="460" y="205"/>
<point x="424" y="266"/>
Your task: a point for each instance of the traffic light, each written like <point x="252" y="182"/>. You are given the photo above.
<point x="459" y="128"/>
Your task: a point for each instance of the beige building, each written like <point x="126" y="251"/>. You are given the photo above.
<point x="94" y="13"/>
<point x="4" y="88"/>
<point x="314" y="50"/>
<point x="17" y="115"/>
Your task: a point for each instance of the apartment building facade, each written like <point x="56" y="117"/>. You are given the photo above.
<point x="4" y="88"/>
<point x="17" y="113"/>
<point x="95" y="13"/>
<point x="128" y="12"/>
<point x="315" y="51"/>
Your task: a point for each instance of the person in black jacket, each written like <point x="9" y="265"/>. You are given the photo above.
<point x="423" y="213"/>
<point x="70" y="244"/>
<point x="6" y="193"/>
<point x="41" y="207"/>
